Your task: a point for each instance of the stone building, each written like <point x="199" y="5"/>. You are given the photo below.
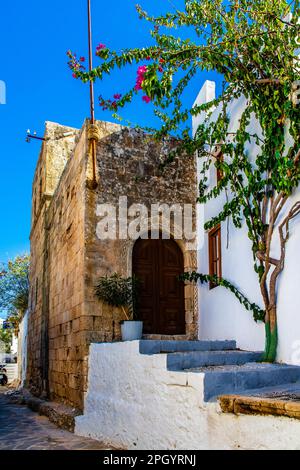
<point x="68" y="255"/>
<point x="201" y="394"/>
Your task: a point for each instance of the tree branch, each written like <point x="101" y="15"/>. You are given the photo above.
<point x="262" y="257"/>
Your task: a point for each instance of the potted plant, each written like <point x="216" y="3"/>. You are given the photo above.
<point x="119" y="291"/>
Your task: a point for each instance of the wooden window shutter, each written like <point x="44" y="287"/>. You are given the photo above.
<point x="215" y="256"/>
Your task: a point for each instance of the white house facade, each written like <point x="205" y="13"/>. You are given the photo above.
<point x="221" y="316"/>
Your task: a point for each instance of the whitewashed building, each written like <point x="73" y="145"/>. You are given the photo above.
<point x="221" y="315"/>
<point x="22" y="349"/>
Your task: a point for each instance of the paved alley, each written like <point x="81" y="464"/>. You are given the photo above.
<point x="23" y="429"/>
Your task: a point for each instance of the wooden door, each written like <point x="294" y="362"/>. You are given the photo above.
<point x="157" y="264"/>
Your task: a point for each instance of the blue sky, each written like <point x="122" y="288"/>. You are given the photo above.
<point x="34" y="38"/>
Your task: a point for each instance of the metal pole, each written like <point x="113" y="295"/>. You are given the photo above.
<point x="92" y="100"/>
<point x="29" y="136"/>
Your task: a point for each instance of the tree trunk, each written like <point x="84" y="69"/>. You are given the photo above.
<point x="269" y="295"/>
<point x="271" y="335"/>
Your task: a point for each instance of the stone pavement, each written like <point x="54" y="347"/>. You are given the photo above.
<point x="23" y="429"/>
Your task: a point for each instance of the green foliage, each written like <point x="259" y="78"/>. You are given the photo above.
<point x="14" y="287"/>
<point x="6" y="339"/>
<point x="258" y="313"/>
<point x="119" y="291"/>
<point x="254" y="46"/>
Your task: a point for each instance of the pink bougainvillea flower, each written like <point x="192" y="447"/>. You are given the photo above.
<point x="161" y="61"/>
<point x="142" y="70"/>
<point x="117" y="96"/>
<point x="139" y="83"/>
<point x="82" y="59"/>
<point x="146" y="98"/>
<point x="74" y="75"/>
<point x="140" y="77"/>
<point x="100" y="47"/>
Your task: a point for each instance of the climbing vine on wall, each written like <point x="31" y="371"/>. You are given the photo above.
<point x="258" y="313"/>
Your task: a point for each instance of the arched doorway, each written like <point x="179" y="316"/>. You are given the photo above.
<point x="157" y="264"/>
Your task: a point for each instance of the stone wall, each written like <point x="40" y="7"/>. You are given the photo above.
<point x="56" y="150"/>
<point x="129" y="165"/>
<point x="65" y="272"/>
<point x="34" y="363"/>
<point x="68" y="258"/>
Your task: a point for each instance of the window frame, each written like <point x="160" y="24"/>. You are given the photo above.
<point x="213" y="257"/>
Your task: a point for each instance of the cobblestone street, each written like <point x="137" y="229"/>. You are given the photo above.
<point x="23" y="429"/>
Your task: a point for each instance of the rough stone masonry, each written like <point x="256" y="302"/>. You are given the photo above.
<point x="67" y="258"/>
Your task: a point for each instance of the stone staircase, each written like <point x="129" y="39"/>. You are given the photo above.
<point x="226" y="369"/>
<point x="168" y="393"/>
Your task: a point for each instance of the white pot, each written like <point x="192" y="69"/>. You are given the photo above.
<point x="131" y="330"/>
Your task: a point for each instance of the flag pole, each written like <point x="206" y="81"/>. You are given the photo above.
<point x="93" y="132"/>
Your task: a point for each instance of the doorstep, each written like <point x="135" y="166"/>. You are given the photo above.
<point x="159" y="337"/>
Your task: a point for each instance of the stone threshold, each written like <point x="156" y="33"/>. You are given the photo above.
<point x="63" y="416"/>
<point x="253" y="405"/>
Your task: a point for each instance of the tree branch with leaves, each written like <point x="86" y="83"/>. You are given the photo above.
<point x="254" y="46"/>
<point x="14" y="288"/>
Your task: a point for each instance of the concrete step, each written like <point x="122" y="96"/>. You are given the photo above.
<point x="191" y="359"/>
<point x="285" y="390"/>
<point x="230" y="379"/>
<point x="166" y="346"/>
<point x="280" y="400"/>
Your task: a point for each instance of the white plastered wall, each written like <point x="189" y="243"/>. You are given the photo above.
<point x="221" y="315"/>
